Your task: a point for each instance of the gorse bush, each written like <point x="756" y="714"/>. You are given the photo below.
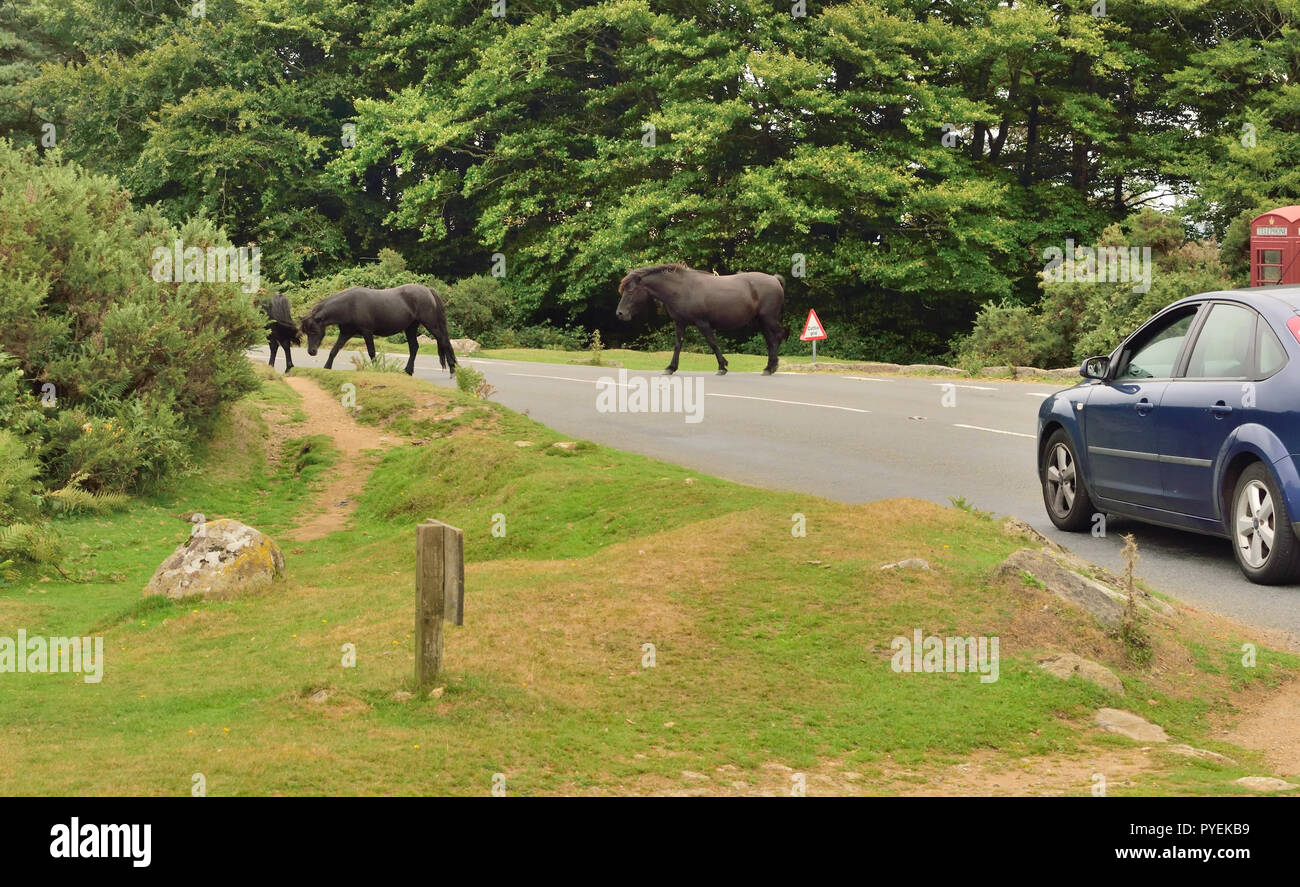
<point x="109" y="375"/>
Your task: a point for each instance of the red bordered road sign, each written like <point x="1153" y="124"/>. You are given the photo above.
<point x="812" y="328"/>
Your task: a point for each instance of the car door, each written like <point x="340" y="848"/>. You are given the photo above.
<point x="1210" y="398"/>
<point x="1121" y="413"/>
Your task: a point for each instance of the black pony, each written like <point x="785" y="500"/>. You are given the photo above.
<point x="368" y="313"/>
<point x="710" y="302"/>
<point x="281" y="331"/>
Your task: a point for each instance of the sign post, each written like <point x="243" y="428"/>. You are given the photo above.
<point x="813" y="331"/>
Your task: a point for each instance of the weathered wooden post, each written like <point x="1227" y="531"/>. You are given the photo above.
<point x="439" y="594"/>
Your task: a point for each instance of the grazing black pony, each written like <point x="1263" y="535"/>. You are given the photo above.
<point x="281" y="331"/>
<point x="368" y="313"/>
<point x="711" y="302"/>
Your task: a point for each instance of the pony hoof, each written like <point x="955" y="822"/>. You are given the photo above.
<point x="722" y="372"/>
<point x="768" y="372"/>
<point x="670" y="371"/>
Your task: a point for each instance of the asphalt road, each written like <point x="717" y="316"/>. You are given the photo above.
<point x="856" y="439"/>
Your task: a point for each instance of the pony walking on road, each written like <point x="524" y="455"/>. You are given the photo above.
<point x="281" y="331"/>
<point x="710" y="302"/>
<point x="368" y="313"/>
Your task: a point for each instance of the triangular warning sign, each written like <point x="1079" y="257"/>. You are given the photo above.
<point x="812" y="328"/>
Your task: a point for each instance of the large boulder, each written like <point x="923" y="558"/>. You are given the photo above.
<point x="460" y="346"/>
<point x="222" y="558"/>
<point x="1059" y="572"/>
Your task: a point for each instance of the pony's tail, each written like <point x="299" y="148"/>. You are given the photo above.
<point x="446" y="354"/>
<point x="283" y="317"/>
<point x="785" y="330"/>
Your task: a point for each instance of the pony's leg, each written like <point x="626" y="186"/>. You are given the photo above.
<point x="288" y="358"/>
<point x="413" y="343"/>
<point x="370" y="344"/>
<point x="275" y="346"/>
<point x="773" y="337"/>
<point x="677" y="352"/>
<point x="344" y="335"/>
<point x="713" y="343"/>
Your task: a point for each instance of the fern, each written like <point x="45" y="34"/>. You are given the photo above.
<point x="72" y="499"/>
<point x="32" y="543"/>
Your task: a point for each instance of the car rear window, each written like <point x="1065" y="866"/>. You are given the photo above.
<point x="1272" y="356"/>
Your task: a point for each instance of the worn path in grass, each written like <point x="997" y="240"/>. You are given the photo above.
<point x="356" y="445"/>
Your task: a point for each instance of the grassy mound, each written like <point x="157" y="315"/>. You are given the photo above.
<point x="771" y="651"/>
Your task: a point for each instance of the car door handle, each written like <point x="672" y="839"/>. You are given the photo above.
<point x="1144" y="406"/>
<point x="1220" y="410"/>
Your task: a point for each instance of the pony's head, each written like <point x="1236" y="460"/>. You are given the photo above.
<point x="636" y="292"/>
<point x="314" y="330"/>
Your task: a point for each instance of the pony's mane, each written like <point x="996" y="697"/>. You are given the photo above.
<point x="638" y="273"/>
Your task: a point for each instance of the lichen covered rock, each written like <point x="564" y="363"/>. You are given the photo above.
<point x="221" y="559"/>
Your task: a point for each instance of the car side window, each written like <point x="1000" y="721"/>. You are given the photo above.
<point x="1155" y="354"/>
<point x="1222" y="349"/>
<point x="1270" y="353"/>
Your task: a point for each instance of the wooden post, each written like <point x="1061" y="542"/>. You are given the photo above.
<point x="439" y="594"/>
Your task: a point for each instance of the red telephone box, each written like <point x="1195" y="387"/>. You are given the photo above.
<point x="1274" y="247"/>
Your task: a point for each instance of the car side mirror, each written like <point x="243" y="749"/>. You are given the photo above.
<point x="1095" y="368"/>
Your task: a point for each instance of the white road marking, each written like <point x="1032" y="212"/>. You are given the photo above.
<point x="959" y="385"/>
<point x="867" y="379"/>
<point x="561" y="378"/>
<point x="994" y="430"/>
<point x="1035" y="394"/>
<point x="798" y="403"/>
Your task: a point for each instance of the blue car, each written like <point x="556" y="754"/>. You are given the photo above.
<point x="1192" y="422"/>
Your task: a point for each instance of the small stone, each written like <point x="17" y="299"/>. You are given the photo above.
<point x="437" y="692"/>
<point x="1066" y="665"/>
<point x="910" y="563"/>
<point x="523" y="443"/>
<point x="565" y="444"/>
<point x="690" y="480"/>
<point x="1125" y="723"/>
<point x="1264" y="784"/>
<point x="691" y="774"/>
<point x="1188" y="751"/>
<point x="319" y="696"/>
<point x="401" y="696"/>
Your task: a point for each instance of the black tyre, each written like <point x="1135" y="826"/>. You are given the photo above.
<point x="1266" y="548"/>
<point x="1066" y="498"/>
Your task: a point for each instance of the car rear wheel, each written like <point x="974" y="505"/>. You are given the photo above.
<point x="1067" y="500"/>
<point x="1267" y="550"/>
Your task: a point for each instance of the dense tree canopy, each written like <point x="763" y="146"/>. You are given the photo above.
<point x="913" y="158"/>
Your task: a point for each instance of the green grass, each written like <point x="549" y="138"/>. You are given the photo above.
<point x="772" y="650"/>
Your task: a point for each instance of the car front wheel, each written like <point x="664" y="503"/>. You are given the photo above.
<point x="1066" y="498"/>
<point x="1266" y="548"/>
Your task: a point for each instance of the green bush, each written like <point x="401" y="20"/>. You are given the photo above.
<point x="477" y="308"/>
<point x="547" y="336"/>
<point x="87" y="323"/>
<point x="1076" y="320"/>
<point x="1007" y="334"/>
